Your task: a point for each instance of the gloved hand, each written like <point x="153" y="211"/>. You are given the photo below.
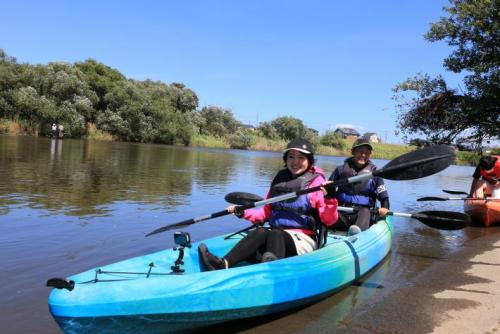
<point x="329" y="191"/>
<point x="236" y="210"/>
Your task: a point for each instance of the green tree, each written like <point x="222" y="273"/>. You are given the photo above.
<point x="218" y="121"/>
<point x="443" y="114"/>
<point x="196" y="120"/>
<point x="183" y="98"/>
<point x="242" y="139"/>
<point x="332" y="139"/>
<point x="5" y="58"/>
<point x="267" y="130"/>
<point x="102" y="79"/>
<point x="128" y="115"/>
<point x="41" y="94"/>
<point x="175" y="129"/>
<point x="31" y="110"/>
<point x="143" y="111"/>
<point x="289" y="128"/>
<point x="8" y="81"/>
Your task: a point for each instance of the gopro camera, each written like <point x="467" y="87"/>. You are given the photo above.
<point x="182" y="239"/>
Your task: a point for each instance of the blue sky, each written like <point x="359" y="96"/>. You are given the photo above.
<point x="327" y="63"/>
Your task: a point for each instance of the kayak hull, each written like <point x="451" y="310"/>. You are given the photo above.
<point x="174" y="323"/>
<point x="121" y="297"/>
<point x="483" y="212"/>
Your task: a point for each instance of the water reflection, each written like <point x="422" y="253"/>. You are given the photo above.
<point x="70" y="205"/>
<point x="52" y="149"/>
<point x="84" y="176"/>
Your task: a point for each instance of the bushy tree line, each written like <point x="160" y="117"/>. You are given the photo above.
<point x="80" y="94"/>
<point x="90" y="95"/>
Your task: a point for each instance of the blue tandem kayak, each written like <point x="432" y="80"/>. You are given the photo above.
<point x="143" y="294"/>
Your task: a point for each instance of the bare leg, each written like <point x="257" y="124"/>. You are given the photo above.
<point x="484" y="188"/>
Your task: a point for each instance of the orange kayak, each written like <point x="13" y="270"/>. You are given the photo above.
<point x="483" y="212"/>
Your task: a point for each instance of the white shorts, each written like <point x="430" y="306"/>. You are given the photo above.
<point x="303" y="243"/>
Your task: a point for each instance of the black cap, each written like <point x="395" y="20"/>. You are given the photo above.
<point x="300" y="145"/>
<point x="487" y="162"/>
<point x="361" y="142"/>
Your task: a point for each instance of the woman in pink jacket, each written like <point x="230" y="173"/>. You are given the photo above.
<point x="293" y="223"/>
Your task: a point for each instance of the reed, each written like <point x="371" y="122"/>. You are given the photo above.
<point x="208" y="141"/>
<point x="95" y="134"/>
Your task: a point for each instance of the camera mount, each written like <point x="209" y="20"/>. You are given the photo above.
<point x="183" y="239"/>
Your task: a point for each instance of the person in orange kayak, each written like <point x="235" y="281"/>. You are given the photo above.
<point x="486" y="177"/>
<point x="293" y="223"/>
<point x="361" y="195"/>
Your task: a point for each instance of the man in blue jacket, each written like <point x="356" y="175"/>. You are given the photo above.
<point x="361" y="195"/>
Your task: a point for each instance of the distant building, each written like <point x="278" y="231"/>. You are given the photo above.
<point x="372" y="137"/>
<point x="347" y="133"/>
<point x="249" y="126"/>
<point x="314" y="131"/>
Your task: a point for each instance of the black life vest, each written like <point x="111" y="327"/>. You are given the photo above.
<point x="359" y="193"/>
<point x="296" y="212"/>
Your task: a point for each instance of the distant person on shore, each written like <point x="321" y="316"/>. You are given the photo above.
<point x="60" y="131"/>
<point x="486" y="178"/>
<point x="53" y="130"/>
<point x="294" y="222"/>
<point x="360" y="195"/>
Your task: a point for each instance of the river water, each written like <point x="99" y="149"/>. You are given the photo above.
<point x="70" y="205"/>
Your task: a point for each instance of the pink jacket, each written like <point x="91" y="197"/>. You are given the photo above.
<point x="327" y="207"/>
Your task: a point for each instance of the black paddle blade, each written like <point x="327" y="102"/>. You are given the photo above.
<point x="454" y="192"/>
<point x="242" y="198"/>
<point x="443" y="220"/>
<point x="431" y="198"/>
<point x="419" y="163"/>
<point x="191" y="221"/>
<point x="167" y="228"/>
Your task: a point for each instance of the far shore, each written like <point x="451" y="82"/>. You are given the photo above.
<point x="380" y="150"/>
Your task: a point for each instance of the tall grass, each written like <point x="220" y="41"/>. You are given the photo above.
<point x="95" y="134"/>
<point x="380" y="151"/>
<point x="264" y="144"/>
<point x="467" y="158"/>
<point x="208" y="141"/>
<point x="11" y="127"/>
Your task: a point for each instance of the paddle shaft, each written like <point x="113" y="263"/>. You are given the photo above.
<point x="473" y="199"/>
<point x="427" y="219"/>
<point x="190" y="221"/>
<point x="392" y="171"/>
<point x="434" y="219"/>
<point x="384" y="172"/>
<point x="284" y="197"/>
<point x="442" y="220"/>
<point x="389" y="213"/>
<point x="431" y="198"/>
